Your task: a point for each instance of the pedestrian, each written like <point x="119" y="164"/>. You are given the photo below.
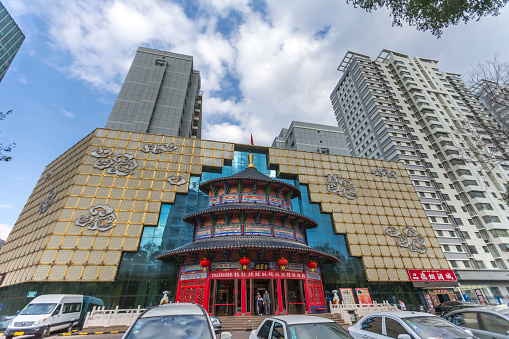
<point x="165" y="298"/>
<point x="402" y="305"/>
<point x="266" y="302"/>
<point x="259" y="302"/>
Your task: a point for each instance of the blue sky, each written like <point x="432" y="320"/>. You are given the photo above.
<point x="263" y="64"/>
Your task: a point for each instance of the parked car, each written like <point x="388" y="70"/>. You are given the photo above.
<point x="406" y="325"/>
<point x="299" y="326"/>
<point x="484" y="322"/>
<point x="217" y="323"/>
<point x="176" y="321"/>
<point x="45" y="314"/>
<point x="5" y="320"/>
<point x="452" y="305"/>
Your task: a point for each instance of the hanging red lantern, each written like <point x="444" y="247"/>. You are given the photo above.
<point x="282" y="262"/>
<point x="244" y="262"/>
<point x="205" y="263"/>
<point x="312" y="265"/>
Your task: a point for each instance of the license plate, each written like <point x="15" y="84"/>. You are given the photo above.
<point x="19" y="333"/>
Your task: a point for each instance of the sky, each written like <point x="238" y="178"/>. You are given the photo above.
<point x="262" y="63"/>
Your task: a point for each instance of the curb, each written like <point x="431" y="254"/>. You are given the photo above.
<point x="87" y="333"/>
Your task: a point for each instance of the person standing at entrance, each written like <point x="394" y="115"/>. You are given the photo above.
<point x="259" y="303"/>
<point x="402" y="305"/>
<point x="266" y="302"/>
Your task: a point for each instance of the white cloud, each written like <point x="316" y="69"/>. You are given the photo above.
<point x="284" y="72"/>
<point x="68" y="114"/>
<point x="5" y="206"/>
<point x="22" y="79"/>
<point x="4" y="231"/>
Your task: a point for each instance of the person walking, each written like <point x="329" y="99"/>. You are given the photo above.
<point x="259" y="303"/>
<point x="402" y="305"/>
<point x="266" y="302"/>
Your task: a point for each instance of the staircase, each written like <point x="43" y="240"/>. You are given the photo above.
<point x="248" y="323"/>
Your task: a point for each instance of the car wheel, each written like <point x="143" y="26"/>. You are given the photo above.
<point x="8" y="337"/>
<point x="45" y="332"/>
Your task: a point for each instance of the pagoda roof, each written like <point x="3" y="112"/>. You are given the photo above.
<point x="250" y="174"/>
<point x="244" y="242"/>
<point x="250" y="207"/>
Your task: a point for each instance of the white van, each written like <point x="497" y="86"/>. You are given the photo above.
<point x="45" y="314"/>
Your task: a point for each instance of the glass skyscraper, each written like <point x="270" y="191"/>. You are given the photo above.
<point x="11" y="39"/>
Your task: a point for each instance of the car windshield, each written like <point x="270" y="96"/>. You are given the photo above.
<point x="318" y="331"/>
<point x="171" y="326"/>
<point x="37" y="309"/>
<point x="435" y="327"/>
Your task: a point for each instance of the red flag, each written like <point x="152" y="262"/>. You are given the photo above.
<point x="252" y="143"/>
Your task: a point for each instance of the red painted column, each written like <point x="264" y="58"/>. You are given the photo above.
<point x="279" y="296"/>
<point x="178" y="287"/>
<point x="306" y="294"/>
<point x="206" y="294"/>
<point x="243" y="296"/>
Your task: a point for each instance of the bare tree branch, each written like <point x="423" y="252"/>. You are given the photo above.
<point x="7" y="148"/>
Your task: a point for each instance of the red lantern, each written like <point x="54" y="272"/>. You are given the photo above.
<point x="244" y="262"/>
<point x="205" y="263"/>
<point x="282" y="262"/>
<point x="312" y="265"/>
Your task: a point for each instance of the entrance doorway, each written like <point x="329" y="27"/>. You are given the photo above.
<point x="295" y="301"/>
<point x="443" y="298"/>
<point x="224" y="303"/>
<point x="259" y="287"/>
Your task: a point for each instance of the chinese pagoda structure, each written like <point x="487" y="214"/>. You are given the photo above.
<point x="248" y="242"/>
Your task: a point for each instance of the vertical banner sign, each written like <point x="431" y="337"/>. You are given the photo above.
<point x="363" y="296"/>
<point x="430" y="303"/>
<point x="480" y="296"/>
<point x="347" y="295"/>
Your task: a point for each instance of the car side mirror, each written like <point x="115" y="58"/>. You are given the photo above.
<point x="471" y="333"/>
<point x="404" y="336"/>
<point x="225" y="335"/>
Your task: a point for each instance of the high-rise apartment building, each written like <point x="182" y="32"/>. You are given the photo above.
<point x="11" y="39"/>
<point x="305" y="136"/>
<point x="161" y="94"/>
<point x="405" y="109"/>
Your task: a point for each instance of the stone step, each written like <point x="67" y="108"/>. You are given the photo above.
<point x="247" y="323"/>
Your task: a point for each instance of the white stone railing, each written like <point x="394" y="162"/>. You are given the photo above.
<point x="101" y="317"/>
<point x="360" y="310"/>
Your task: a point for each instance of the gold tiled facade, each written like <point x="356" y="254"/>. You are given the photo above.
<point x="46" y="244"/>
<point x="381" y="202"/>
<point x="49" y="246"/>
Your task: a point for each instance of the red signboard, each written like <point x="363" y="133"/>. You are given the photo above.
<point x="431" y="275"/>
<point x="257" y="274"/>
<point x="363" y="296"/>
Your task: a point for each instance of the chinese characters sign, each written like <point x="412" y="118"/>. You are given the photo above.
<point x="258" y="274"/>
<point x="431" y="275"/>
<point x="363" y="296"/>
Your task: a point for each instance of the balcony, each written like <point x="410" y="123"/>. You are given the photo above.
<point x="455" y="256"/>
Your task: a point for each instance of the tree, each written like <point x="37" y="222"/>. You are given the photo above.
<point x="433" y="15"/>
<point x="489" y="82"/>
<point x="7" y="148"/>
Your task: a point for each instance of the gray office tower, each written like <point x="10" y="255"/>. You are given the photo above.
<point x="11" y="39"/>
<point x="161" y="95"/>
<point x="305" y="136"/>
